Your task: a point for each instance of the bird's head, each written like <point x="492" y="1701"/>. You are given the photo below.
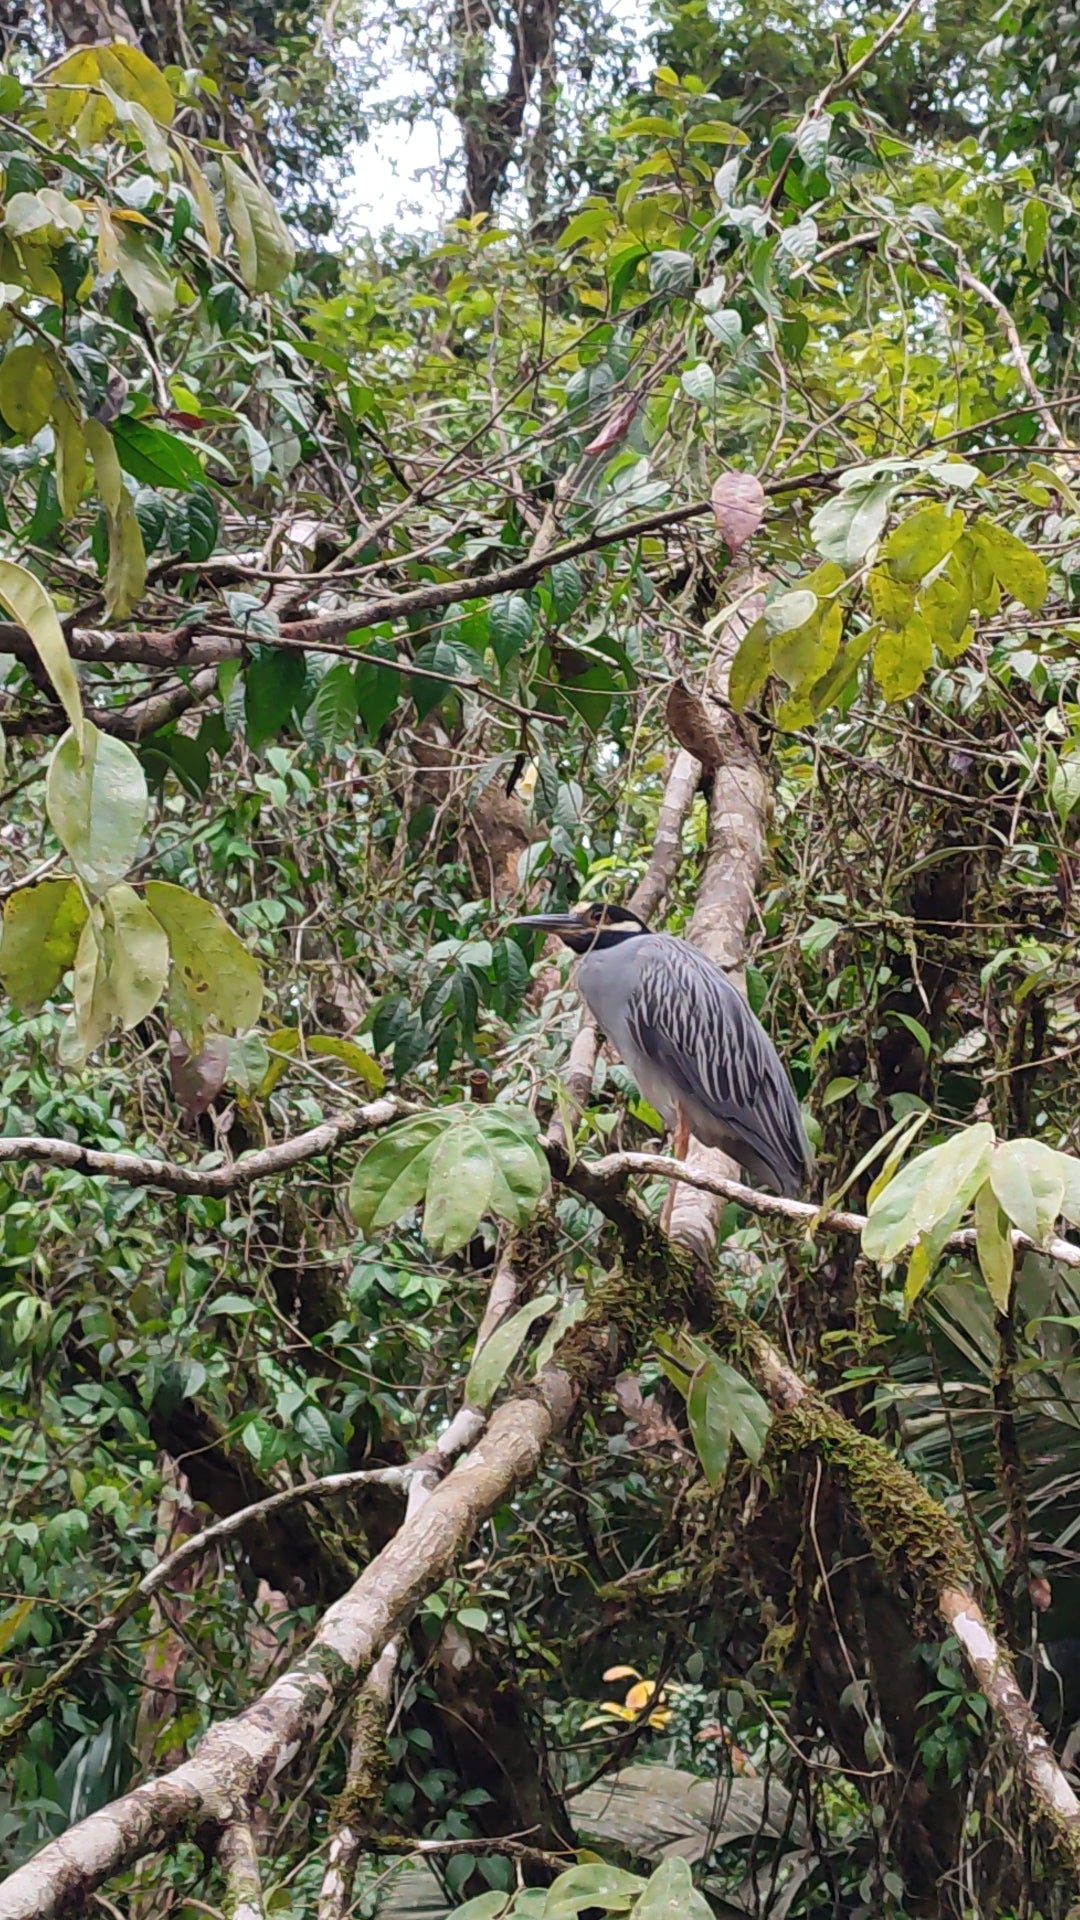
<point x="593" y="926"/>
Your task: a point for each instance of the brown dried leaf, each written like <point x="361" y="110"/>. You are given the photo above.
<point x="738" y="502"/>
<point x="197" y="1078"/>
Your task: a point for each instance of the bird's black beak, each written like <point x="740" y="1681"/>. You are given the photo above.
<point x="551" y="922"/>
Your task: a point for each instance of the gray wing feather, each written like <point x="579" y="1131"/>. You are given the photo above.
<point x="685" y="1014"/>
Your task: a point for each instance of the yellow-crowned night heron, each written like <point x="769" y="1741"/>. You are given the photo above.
<point x="697" y="1053"/>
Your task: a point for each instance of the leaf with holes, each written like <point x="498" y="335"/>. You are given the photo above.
<point x="97" y="804"/>
<point x="215" y="980"/>
<point x="40" y="936"/>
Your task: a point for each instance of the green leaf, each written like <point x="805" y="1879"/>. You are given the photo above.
<point x="566" y="588"/>
<point x="846" y="527"/>
<point x="710" y="1428"/>
<point x="219" y="979"/>
<point x="1015" y="567"/>
<point x="806" y="651"/>
<point x="41" y="932"/>
<point x="263" y="246"/>
<point x="27" y="390"/>
<point x="134" y="77"/>
<point x="459" y="1187"/>
<point x="671" y="271"/>
<point x="154" y="457"/>
<point x="522" y="1174"/>
<point x="331" y="717"/>
<point x="593" y="1885"/>
<point x="378" y="689"/>
<point x="135" y="952"/>
<point x="144" y="274"/>
<point x="838" y="1089"/>
<point x="925" y="1190"/>
<point x="921" y="542"/>
<point x="1029" y="1186"/>
<point x="510" y="625"/>
<point x="393" y="1174"/>
<point x="672" y="1895"/>
<point x="25" y="599"/>
<point x="273" y="684"/>
<point x="750" y="667"/>
<point x="97" y="804"/>
<point x="699" y="383"/>
<point x="892" y="603"/>
<point x="499" y="1351"/>
<point x="993" y="1244"/>
<point x="193" y="527"/>
<point x="1034" y="228"/>
<point x="717" y="133"/>
<point x="920" y="1033"/>
<point x="94" y="1006"/>
<point x="903" y="659"/>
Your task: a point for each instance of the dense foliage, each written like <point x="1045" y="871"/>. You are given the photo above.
<point x="344" y="596"/>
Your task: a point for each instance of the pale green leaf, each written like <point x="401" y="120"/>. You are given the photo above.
<point x="144" y="273"/>
<point x="97" y="804"/>
<point x="69" y="457"/>
<point x="846" y="527"/>
<point x="750" y="667"/>
<point x="264" y="248"/>
<point x="993" y="1244"/>
<point x="136" y="954"/>
<point x="1028" y="1182"/>
<point x="1016" y="568"/>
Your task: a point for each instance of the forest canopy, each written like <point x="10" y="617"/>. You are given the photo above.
<point x="403" y="1512"/>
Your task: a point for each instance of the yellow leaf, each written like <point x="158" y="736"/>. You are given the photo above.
<point x="13" y="1620"/>
<point x="27" y="386"/>
<point x="134" y="77"/>
<point x="69" y="456"/>
<point x="621" y="1673"/>
<point x="126" y="576"/>
<point x="108" y="246"/>
<point x="204" y="199"/>
<point x="26" y="600"/>
<point x="639" y="1696"/>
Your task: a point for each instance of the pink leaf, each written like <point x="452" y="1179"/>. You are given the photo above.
<point x="738" y="501"/>
<point x="612" y="432"/>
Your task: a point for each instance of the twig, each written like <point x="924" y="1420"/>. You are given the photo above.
<point x="239" y="1863"/>
<point x="135" y="1171"/>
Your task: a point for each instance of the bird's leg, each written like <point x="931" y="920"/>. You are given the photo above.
<point x="679" y="1144"/>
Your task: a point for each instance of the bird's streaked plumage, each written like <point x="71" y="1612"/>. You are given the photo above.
<point x="690" y="1040"/>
